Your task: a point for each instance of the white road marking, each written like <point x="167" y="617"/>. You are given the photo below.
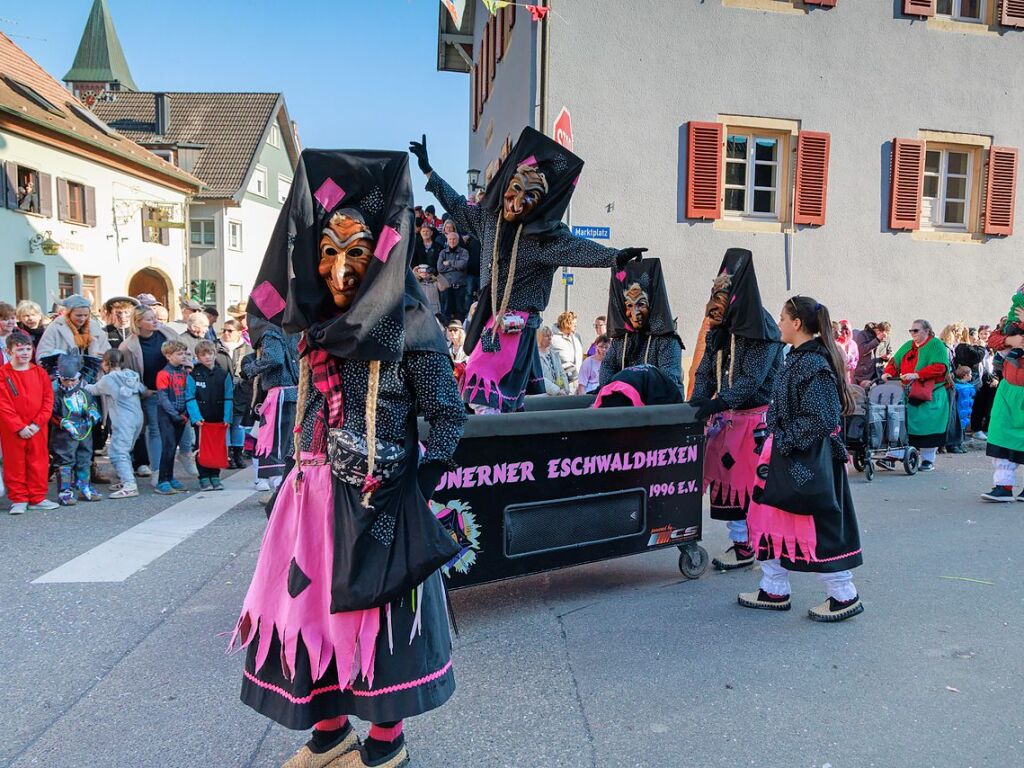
<point x="118" y="558"/>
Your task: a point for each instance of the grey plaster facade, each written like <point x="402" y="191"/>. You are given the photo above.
<point x="862" y="71"/>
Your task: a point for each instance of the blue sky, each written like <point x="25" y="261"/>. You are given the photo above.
<point x="355" y="73"/>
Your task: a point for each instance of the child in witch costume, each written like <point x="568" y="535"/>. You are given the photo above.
<point x="640" y="323"/>
<point x="732" y="385"/>
<point x="75" y="413"/>
<point x="801" y="517"/>
<point x="519" y="224"/>
<point x="346" y="612"/>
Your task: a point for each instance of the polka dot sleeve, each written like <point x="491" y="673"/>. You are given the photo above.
<point x="432" y="385"/>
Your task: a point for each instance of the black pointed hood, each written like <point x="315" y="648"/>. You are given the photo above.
<point x="384" y="319"/>
<point x="561" y="169"/>
<point x="649" y="276"/>
<point x="745" y="316"/>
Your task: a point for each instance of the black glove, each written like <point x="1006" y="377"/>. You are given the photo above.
<point x="626" y="255"/>
<point x="419" y="148"/>
<point x="428" y="476"/>
<point x="706" y="408"/>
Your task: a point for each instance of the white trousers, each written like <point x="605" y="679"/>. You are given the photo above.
<point x="775" y="580"/>
<point x="1004" y="472"/>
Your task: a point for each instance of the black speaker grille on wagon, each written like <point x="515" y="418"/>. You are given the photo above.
<point x="550" y="525"/>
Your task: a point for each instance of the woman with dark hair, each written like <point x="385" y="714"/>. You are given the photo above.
<point x="802" y="518"/>
<point x="922" y="364"/>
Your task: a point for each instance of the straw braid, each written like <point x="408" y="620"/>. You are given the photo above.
<point x="300" y="415"/>
<point x="499" y="308"/>
<point x="372" y="387"/>
<point x="732" y="362"/>
<point x="647" y="353"/>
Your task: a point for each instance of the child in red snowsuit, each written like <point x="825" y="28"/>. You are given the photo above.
<point x="26" y="400"/>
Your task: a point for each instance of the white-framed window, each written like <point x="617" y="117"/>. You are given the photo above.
<point x="274" y="137"/>
<point x="235" y="235"/>
<point x="234" y="293"/>
<point x="284" y="186"/>
<point x="946" y="198"/>
<point x="962" y="10"/>
<point x="164" y="154"/>
<point x="202" y="233"/>
<point x="752" y="172"/>
<point x="258" y="182"/>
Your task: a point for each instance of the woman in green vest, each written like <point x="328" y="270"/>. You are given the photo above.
<point x="922" y="364"/>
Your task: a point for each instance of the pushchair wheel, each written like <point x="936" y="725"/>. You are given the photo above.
<point x="911" y="461"/>
<point x="869" y="471"/>
<point x="859" y="463"/>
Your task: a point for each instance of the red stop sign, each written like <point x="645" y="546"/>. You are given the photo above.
<point x="563" y="129"/>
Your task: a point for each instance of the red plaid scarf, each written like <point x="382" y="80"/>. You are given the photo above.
<point x="326" y="372"/>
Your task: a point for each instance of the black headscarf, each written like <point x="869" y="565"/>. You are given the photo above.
<point x="561" y="169"/>
<point x="388" y="314"/>
<point x="648" y="275"/>
<point x="745" y="316"/>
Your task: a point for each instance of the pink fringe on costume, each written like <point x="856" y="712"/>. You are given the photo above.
<point x="302" y="528"/>
<point x="732" y="432"/>
<point x="485" y="370"/>
<point x="780" y="533"/>
<point x="268" y="410"/>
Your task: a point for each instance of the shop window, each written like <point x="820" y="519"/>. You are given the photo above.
<point x="65" y="284"/>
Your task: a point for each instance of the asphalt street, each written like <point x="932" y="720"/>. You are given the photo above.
<point x="611" y="665"/>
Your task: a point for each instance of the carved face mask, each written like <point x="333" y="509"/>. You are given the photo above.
<point x="719" y="301"/>
<point x="523" y="194"/>
<point x="638" y="306"/>
<point x="346" y="247"/>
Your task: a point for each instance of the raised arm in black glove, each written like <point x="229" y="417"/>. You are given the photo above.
<point x="708" y="407"/>
<point x="626" y="255"/>
<point x="419" y="149"/>
<point x="428" y="476"/>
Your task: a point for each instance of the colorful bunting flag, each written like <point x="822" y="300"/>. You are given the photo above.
<point x="456" y="9"/>
<point x="537" y="12"/>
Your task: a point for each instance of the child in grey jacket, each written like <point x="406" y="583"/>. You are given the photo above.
<point x="120" y="389"/>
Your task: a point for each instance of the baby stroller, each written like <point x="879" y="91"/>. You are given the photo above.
<point x="879" y="425"/>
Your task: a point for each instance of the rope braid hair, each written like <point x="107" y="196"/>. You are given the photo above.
<point x="816" y="320"/>
<point x="500" y="307"/>
<point x="372" y="388"/>
<point x="302" y="390"/>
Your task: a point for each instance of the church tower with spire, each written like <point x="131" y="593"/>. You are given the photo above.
<point x="100" y="68"/>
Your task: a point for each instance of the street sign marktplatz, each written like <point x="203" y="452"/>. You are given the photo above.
<point x="592" y="233"/>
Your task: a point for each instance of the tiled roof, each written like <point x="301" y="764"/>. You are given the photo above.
<point x="100" y="58"/>
<point x="229" y="126"/>
<point x="62" y="118"/>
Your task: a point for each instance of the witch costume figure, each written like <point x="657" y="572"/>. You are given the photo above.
<point x="801" y="517"/>
<point x="346" y="613"/>
<point x="519" y="224"/>
<point x="733" y="386"/>
<point x="640" y="323"/>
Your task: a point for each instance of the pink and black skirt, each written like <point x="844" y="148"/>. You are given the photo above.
<point x="303" y="662"/>
<point x="504" y="367"/>
<point x="824" y="543"/>
<point x="730" y="461"/>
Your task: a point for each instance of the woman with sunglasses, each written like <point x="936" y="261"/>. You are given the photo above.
<point x="922" y="365"/>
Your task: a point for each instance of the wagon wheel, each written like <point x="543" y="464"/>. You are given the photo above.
<point x="911" y="461"/>
<point x="693" y="561"/>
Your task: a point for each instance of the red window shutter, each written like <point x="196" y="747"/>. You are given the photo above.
<point x="812" y="152"/>
<point x="919" y="7"/>
<point x="492" y="27"/>
<point x="501" y="34"/>
<point x="704" y="170"/>
<point x="907" y="184"/>
<point x="1013" y="13"/>
<point x="474" y="86"/>
<point x="1000" y="190"/>
<point x="511" y="10"/>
